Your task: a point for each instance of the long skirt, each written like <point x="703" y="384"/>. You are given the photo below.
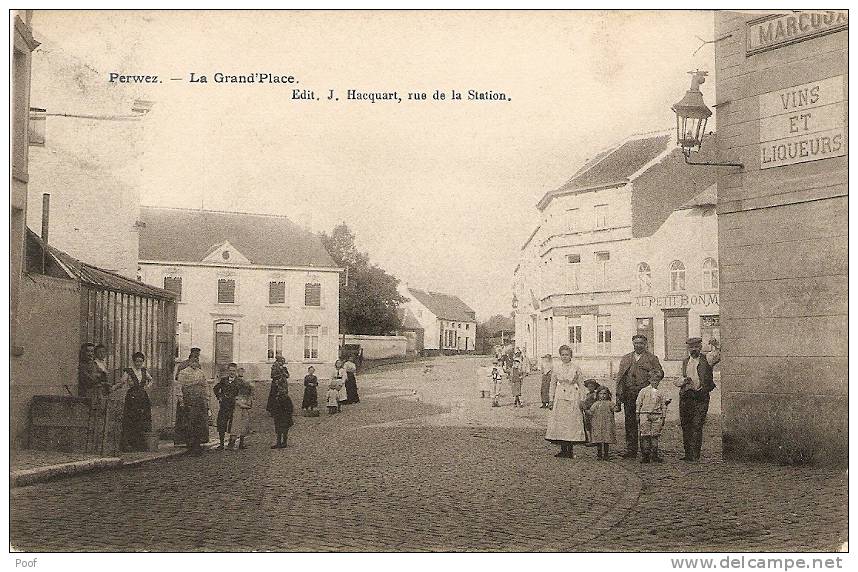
<point x="196" y="415"/>
<point x="136" y="419"/>
<point x="566" y="422"/>
<point x="545" y="390"/>
<point x="351" y="388"/>
<point x="311" y="398"/>
<point x="240" y="422"/>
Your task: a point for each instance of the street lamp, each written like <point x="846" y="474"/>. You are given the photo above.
<point x="691" y="118"/>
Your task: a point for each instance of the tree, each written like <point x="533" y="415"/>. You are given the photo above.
<point x="368" y="302"/>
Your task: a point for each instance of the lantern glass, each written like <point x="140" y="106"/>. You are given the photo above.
<point x="690" y="130"/>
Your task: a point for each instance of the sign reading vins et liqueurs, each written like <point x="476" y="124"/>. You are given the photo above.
<point x="772" y="32"/>
<point x="803" y="123"/>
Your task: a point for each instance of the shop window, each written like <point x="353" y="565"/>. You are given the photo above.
<point x="644" y="278"/>
<point x="677" y="276"/>
<point x="603" y="335"/>
<point x="174" y="284"/>
<point x="225" y="291"/>
<point x="710" y="274"/>
<point x="675" y="334"/>
<point x="710" y="327"/>
<point x="275" y="341"/>
<point x="311" y="342"/>
<point x="276" y="292"/>
<point x="312" y="294"/>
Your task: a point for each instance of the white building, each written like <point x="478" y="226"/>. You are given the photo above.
<point x="87" y="140"/>
<point x="248" y="285"/>
<point x="577" y="281"/>
<point x="449" y="325"/>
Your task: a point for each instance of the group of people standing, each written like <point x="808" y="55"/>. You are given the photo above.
<point x="582" y="412"/>
<point x="94" y="382"/>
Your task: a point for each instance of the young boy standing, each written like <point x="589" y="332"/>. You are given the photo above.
<point x="651" y="408"/>
<point x="226" y="390"/>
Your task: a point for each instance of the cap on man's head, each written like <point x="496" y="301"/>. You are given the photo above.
<point x="639" y="337"/>
<point x="694" y="341"/>
<point x="547" y="356"/>
<point x="196" y="350"/>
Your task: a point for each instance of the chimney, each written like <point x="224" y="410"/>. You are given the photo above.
<point x="46" y="211"/>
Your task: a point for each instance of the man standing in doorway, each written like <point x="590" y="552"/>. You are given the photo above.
<point x="695" y="385"/>
<point x="633" y="376"/>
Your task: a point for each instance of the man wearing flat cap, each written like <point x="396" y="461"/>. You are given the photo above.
<point x="633" y="376"/>
<point x="695" y="385"/>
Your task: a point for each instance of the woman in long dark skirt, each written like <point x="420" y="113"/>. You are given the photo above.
<point x="137" y="413"/>
<point x="351" y="382"/>
<point x="311" y="394"/>
<point x="280" y="407"/>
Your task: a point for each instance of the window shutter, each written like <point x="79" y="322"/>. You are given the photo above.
<point x="226" y="291"/>
<point x="276" y="292"/>
<point x="312" y="294"/>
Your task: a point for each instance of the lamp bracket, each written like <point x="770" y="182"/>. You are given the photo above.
<point x="686" y="155"/>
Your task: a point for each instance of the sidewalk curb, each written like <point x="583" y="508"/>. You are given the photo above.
<point x="31" y="476"/>
<point x="27" y="477"/>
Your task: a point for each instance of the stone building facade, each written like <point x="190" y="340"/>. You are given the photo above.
<point x="247" y="286"/>
<point x="781" y="89"/>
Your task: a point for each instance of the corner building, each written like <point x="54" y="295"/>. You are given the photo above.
<point x="781" y="90"/>
<point x="622" y="247"/>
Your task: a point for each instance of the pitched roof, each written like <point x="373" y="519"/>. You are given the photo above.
<point x="667" y="186"/>
<point x="188" y="235"/>
<point x="706" y="198"/>
<point x="97" y="277"/>
<point x="613" y="166"/>
<point x="407" y="319"/>
<point x="445" y="306"/>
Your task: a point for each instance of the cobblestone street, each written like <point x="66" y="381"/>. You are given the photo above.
<point x="422" y="463"/>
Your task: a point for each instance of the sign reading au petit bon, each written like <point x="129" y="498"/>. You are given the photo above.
<point x="803" y="123"/>
<point x="775" y="31"/>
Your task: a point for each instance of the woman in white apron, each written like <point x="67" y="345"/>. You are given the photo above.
<point x="566" y="422"/>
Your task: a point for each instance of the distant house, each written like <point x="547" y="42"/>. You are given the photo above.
<point x="449" y="325"/>
<point x="411" y="328"/>
<point x="247" y="286"/>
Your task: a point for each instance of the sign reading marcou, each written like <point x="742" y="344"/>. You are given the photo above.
<point x="772" y="32"/>
<point x="803" y="123"/>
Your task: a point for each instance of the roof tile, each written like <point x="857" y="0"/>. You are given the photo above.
<point x="187" y="235"/>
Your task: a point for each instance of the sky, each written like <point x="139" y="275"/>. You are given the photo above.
<point x="441" y="194"/>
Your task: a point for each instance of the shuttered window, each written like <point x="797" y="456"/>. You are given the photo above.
<point x="276" y="292"/>
<point x="225" y="291"/>
<point x="174" y="284"/>
<point x="312" y="294"/>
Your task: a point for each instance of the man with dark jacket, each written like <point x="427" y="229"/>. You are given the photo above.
<point x="226" y="390"/>
<point x="633" y="376"/>
<point x="695" y="385"/>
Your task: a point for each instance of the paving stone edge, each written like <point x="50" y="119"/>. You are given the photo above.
<point x="25" y="477"/>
